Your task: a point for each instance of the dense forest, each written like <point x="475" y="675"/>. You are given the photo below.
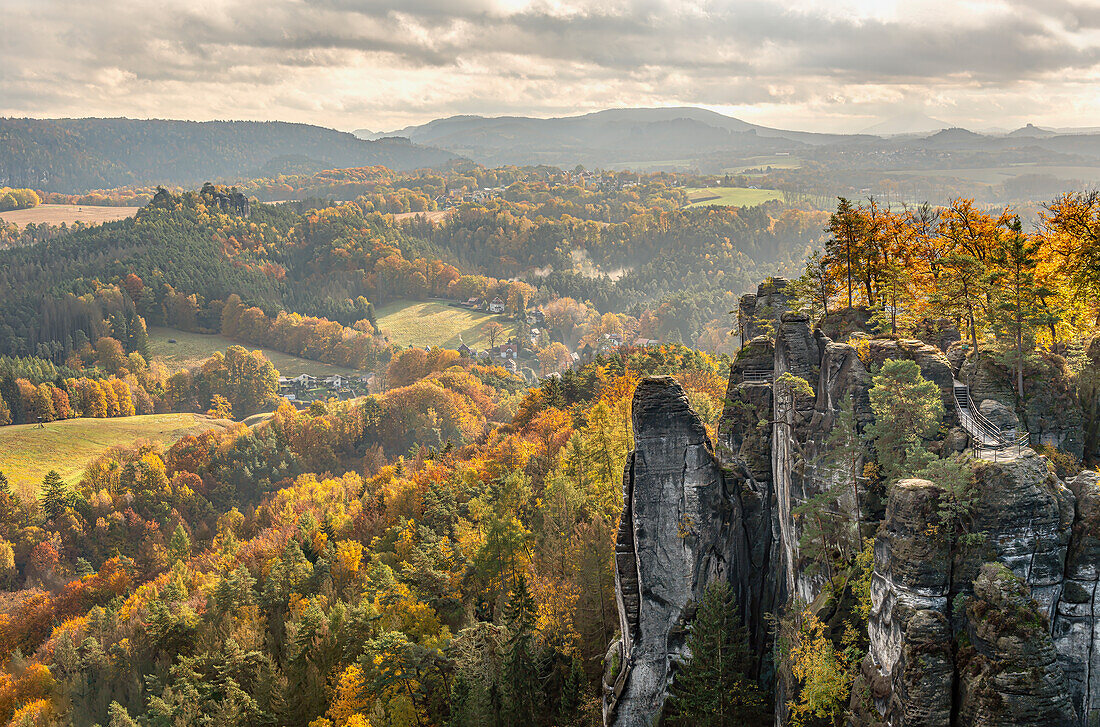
<point x="441" y="551"/>
<point x="440" y="554"/>
<point x="180" y="258"/>
<point x="78" y="155"/>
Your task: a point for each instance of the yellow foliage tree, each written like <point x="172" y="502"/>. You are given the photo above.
<point x="349" y="699"/>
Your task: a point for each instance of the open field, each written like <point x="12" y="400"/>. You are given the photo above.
<point x="27" y="453"/>
<point x="730" y="196"/>
<point x="191" y="349"/>
<point x="430" y="215"/>
<point x="55" y="214"/>
<point x="763" y="162"/>
<point x="434" y="323"/>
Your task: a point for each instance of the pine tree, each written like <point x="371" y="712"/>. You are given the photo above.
<point x="553" y="395"/>
<point x="520" y="675"/>
<point x="179" y="546"/>
<point x="55" y="496"/>
<point x="713" y="688"/>
<point x="1018" y="291"/>
<point x="571" y="692"/>
<point x="119" y="716"/>
<point x="908" y="409"/>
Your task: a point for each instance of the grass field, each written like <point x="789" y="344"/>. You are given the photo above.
<point x="27" y="453"/>
<point x="55" y="214"/>
<point x="763" y="162"/>
<point x="191" y="349"/>
<point x="430" y="216"/>
<point x="432" y="323"/>
<point x="730" y="196"/>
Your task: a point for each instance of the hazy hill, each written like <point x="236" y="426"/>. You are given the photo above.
<point x="909" y="123"/>
<point x="1032" y="132"/>
<point x="695" y="138"/>
<point x="614" y="136"/>
<point x="74" y="155"/>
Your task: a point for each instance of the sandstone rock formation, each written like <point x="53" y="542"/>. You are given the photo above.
<point x="680" y="530"/>
<point x="992" y="624"/>
<point x="921" y="580"/>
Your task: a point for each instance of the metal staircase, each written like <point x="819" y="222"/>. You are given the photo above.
<point x="987" y="436"/>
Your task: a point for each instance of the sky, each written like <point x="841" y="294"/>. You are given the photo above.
<point x="384" y="64"/>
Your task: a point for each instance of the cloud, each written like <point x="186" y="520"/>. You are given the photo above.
<point x="382" y="64"/>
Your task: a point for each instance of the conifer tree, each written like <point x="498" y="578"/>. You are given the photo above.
<point x="713" y="688"/>
<point x="553" y="394"/>
<point x="119" y="716"/>
<point x="55" y="496"/>
<point x="1017" y="290"/>
<point x="179" y="546"/>
<point x="908" y="409"/>
<point x="520" y="675"/>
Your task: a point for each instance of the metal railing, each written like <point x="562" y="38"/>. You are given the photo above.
<point x="758" y="375"/>
<point x="987" y="436"/>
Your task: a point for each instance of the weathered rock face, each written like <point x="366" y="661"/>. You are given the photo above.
<point x="1002" y="630"/>
<point x="1007" y="657"/>
<point x="1013" y="676"/>
<point x="1000" y="415"/>
<point x="744" y="448"/>
<point x="760" y="314"/>
<point x="840" y="325"/>
<point x="1076" y="633"/>
<point x="680" y="530"/>
<point x="910" y="655"/>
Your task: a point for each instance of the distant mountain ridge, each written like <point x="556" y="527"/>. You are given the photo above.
<point x="648" y="139"/>
<point x="76" y="155"/>
<point x="613" y="136"/>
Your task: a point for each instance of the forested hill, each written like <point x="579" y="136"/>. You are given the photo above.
<point x="76" y="155"/>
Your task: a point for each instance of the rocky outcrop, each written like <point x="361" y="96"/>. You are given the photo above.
<point x="1076" y="631"/>
<point x="679" y="531"/>
<point x="1010" y="675"/>
<point x="1000" y="415"/>
<point x="910" y="656"/>
<point x="997" y="627"/>
<point x="744" y="448"/>
<point x="919" y="637"/>
<point x="760" y="314"/>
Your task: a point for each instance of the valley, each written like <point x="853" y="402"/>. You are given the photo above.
<point x="428" y="446"/>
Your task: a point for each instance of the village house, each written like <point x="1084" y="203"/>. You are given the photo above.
<point x="497" y="306"/>
<point x="507" y="350"/>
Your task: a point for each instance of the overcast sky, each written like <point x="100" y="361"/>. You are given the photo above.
<point x="383" y="64"/>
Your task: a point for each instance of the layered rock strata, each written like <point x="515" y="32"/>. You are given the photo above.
<point x="993" y="622"/>
<point x="680" y="530"/>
